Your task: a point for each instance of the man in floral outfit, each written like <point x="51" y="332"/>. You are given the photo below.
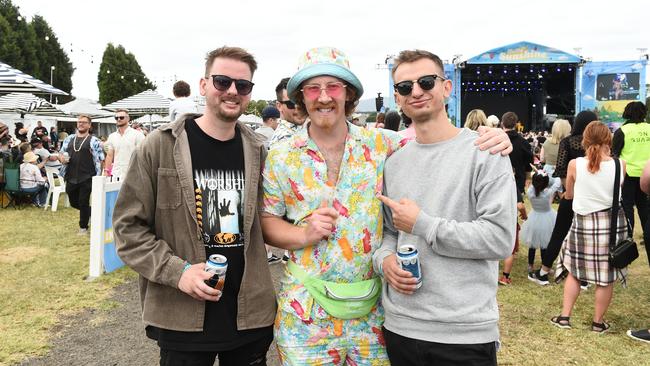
<point x="320" y="202"/>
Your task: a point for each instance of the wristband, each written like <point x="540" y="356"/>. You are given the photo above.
<point x="187" y="265"/>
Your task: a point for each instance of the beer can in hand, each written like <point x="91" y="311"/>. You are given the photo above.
<point x="407" y="256"/>
<point x="216" y="264"/>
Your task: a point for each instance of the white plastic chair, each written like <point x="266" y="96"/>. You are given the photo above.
<point x="57" y="186"/>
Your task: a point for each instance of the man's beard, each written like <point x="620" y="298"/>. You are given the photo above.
<point x="228" y="116"/>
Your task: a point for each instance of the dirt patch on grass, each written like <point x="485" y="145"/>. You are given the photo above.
<point x="20" y="254"/>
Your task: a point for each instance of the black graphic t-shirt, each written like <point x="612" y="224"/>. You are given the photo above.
<point x="219" y="187"/>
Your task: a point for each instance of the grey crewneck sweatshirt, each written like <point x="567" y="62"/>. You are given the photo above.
<point x="466" y="225"/>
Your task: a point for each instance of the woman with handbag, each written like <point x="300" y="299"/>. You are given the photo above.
<point x="585" y="252"/>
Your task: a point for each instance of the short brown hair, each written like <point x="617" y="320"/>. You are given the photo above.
<point x="235" y="53"/>
<point x="282" y="85"/>
<point x="122" y="110"/>
<point x="181" y="89"/>
<point x="408" y="56"/>
<point x="509" y="120"/>
<point x="86" y="117"/>
<point x="350" y="105"/>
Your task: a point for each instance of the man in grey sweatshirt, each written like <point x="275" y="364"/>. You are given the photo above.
<point x="457" y="206"/>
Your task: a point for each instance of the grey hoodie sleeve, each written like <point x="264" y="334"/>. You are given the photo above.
<point x="490" y="236"/>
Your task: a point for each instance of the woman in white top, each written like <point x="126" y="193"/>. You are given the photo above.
<point x="31" y="180"/>
<point x="585" y="252"/>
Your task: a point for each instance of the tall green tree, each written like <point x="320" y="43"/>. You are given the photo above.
<point x="32" y="47"/>
<point x="120" y="75"/>
<point x="9" y="46"/>
<point x="9" y="50"/>
<point x="50" y="53"/>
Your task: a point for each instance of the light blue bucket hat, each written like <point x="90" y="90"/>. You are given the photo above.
<point x="323" y="61"/>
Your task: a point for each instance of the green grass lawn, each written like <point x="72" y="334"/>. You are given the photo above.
<point x="43" y="265"/>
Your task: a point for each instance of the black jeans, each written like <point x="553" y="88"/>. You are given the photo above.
<point x="251" y="354"/>
<point x="79" y="196"/>
<point x="632" y="195"/>
<point x="561" y="228"/>
<point x="403" y="351"/>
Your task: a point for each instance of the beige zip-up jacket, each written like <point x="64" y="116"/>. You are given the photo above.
<point x="156" y="231"/>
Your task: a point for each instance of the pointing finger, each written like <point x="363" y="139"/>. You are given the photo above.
<point x="387" y="201"/>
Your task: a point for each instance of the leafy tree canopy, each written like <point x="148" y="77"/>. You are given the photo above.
<point x="120" y="75"/>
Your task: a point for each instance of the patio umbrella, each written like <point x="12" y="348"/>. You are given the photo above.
<point x="87" y="107"/>
<point x="28" y="103"/>
<point x="147" y="102"/>
<point x="15" y="81"/>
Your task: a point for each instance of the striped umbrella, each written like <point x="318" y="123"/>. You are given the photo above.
<point x="15" y="81"/>
<point x="28" y="103"/>
<point x="147" y="102"/>
<point x="87" y="107"/>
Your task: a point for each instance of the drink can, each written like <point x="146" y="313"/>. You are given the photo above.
<point x="407" y="256"/>
<point x="216" y="264"/>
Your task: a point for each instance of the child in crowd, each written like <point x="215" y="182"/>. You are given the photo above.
<point x="536" y="231"/>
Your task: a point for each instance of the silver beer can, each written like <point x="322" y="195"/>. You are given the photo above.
<point x="217" y="264"/>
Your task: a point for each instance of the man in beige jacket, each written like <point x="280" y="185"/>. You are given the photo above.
<point x="192" y="191"/>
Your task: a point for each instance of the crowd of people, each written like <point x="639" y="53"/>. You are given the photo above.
<point x="342" y="201"/>
<point x="76" y="157"/>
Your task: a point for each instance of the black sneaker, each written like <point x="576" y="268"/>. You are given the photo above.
<point x="536" y="277"/>
<point x="273" y="259"/>
<point x="285" y="258"/>
<point x="584" y="285"/>
<point x="642" y="335"/>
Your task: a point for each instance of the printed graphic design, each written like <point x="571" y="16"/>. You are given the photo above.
<point x="219" y="197"/>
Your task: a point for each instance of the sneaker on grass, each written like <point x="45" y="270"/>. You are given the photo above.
<point x="536" y="277"/>
<point x="505" y="281"/>
<point x="642" y="335"/>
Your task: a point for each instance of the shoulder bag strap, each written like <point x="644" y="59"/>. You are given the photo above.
<point x="613" y="225"/>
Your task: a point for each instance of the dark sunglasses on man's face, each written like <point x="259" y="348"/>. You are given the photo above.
<point x="426" y="82"/>
<point x="223" y="82"/>
<point x="119" y="117"/>
<point x="289" y="104"/>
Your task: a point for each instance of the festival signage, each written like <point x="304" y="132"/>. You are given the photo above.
<point x="523" y="52"/>
<point x="103" y="254"/>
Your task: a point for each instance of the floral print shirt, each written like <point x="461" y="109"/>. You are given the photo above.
<point x="284" y="130"/>
<point x="295" y="184"/>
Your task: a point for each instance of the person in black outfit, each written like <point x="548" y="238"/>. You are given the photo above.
<point x="569" y="149"/>
<point x="83" y="162"/>
<point x="20" y="132"/>
<point x="521" y="157"/>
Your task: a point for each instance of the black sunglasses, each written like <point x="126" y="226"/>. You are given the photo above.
<point x="120" y="117"/>
<point x="288" y="103"/>
<point x="426" y="82"/>
<point x="223" y="82"/>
